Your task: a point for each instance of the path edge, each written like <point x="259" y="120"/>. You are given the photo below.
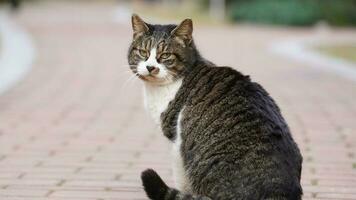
<point x="301" y="50"/>
<point x="17" y="52"/>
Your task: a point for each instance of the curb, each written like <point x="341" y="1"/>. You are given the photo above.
<point x="300" y="50"/>
<point x="17" y="53"/>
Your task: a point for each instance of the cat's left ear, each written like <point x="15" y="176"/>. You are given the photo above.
<point x="184" y="31"/>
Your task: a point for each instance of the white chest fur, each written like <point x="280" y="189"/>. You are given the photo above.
<point x="180" y="178"/>
<point x="157" y="98"/>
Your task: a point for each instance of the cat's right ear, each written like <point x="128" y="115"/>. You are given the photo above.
<point x="139" y="27"/>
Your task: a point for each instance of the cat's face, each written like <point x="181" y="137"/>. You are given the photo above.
<point x="159" y="53"/>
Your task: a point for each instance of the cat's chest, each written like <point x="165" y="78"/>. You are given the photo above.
<point x="157" y="98"/>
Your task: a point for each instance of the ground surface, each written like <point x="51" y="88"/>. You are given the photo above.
<point x="343" y="51"/>
<point x="74" y="129"/>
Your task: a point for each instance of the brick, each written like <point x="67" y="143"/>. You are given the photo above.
<point x="336" y="195"/>
<point x="20" y="193"/>
<point x="69" y="130"/>
<point x="104" y="195"/>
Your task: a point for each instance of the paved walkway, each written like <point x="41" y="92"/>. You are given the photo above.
<point x="75" y="129"/>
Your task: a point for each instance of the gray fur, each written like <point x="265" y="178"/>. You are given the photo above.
<point x="235" y="142"/>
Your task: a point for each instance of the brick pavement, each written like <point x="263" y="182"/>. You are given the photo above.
<point x="75" y="128"/>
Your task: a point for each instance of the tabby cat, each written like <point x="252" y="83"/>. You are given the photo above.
<point x="229" y="138"/>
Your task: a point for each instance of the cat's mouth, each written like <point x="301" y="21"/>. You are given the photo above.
<point x="154" y="79"/>
<point x="147" y="77"/>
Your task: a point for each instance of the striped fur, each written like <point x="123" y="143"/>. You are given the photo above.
<point x="232" y="139"/>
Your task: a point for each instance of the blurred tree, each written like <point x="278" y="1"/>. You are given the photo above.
<point x="342" y="13"/>
<point x="217" y="9"/>
<point x="291" y="12"/>
<point x="15" y="4"/>
<point x="294" y="12"/>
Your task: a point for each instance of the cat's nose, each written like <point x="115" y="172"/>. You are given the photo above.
<point x="152" y="69"/>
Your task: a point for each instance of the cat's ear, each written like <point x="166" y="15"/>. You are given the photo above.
<point x="139" y="27"/>
<point x="184" y="31"/>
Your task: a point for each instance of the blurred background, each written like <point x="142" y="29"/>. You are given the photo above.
<point x="72" y="122"/>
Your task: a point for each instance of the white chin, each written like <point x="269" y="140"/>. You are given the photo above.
<point x="157" y="80"/>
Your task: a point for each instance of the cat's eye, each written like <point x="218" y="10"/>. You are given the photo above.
<point x="143" y="53"/>
<point x="165" y="55"/>
<point x="169" y="62"/>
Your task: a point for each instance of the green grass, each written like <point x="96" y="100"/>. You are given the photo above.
<point x="171" y="12"/>
<point x="346" y="52"/>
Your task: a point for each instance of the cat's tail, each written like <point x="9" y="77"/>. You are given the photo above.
<point x="156" y="189"/>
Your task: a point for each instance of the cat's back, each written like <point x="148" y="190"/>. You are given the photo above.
<point x="225" y="105"/>
<point x="234" y="128"/>
<point x="212" y="85"/>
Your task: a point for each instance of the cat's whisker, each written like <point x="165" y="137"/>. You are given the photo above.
<point x="130" y="79"/>
<point x="172" y="75"/>
<point x="122" y="64"/>
<point x="167" y="79"/>
<point x="126" y="73"/>
<point x="126" y="67"/>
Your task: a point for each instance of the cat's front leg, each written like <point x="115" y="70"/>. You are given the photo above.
<point x="179" y="172"/>
<point x="180" y="177"/>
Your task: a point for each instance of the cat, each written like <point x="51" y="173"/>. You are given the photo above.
<point x="229" y="138"/>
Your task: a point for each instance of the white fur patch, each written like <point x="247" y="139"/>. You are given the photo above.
<point x="151" y="61"/>
<point x="156" y="100"/>
<point x="157" y="97"/>
<point x="179" y="174"/>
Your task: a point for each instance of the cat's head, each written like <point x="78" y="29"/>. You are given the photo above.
<point x="159" y="54"/>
